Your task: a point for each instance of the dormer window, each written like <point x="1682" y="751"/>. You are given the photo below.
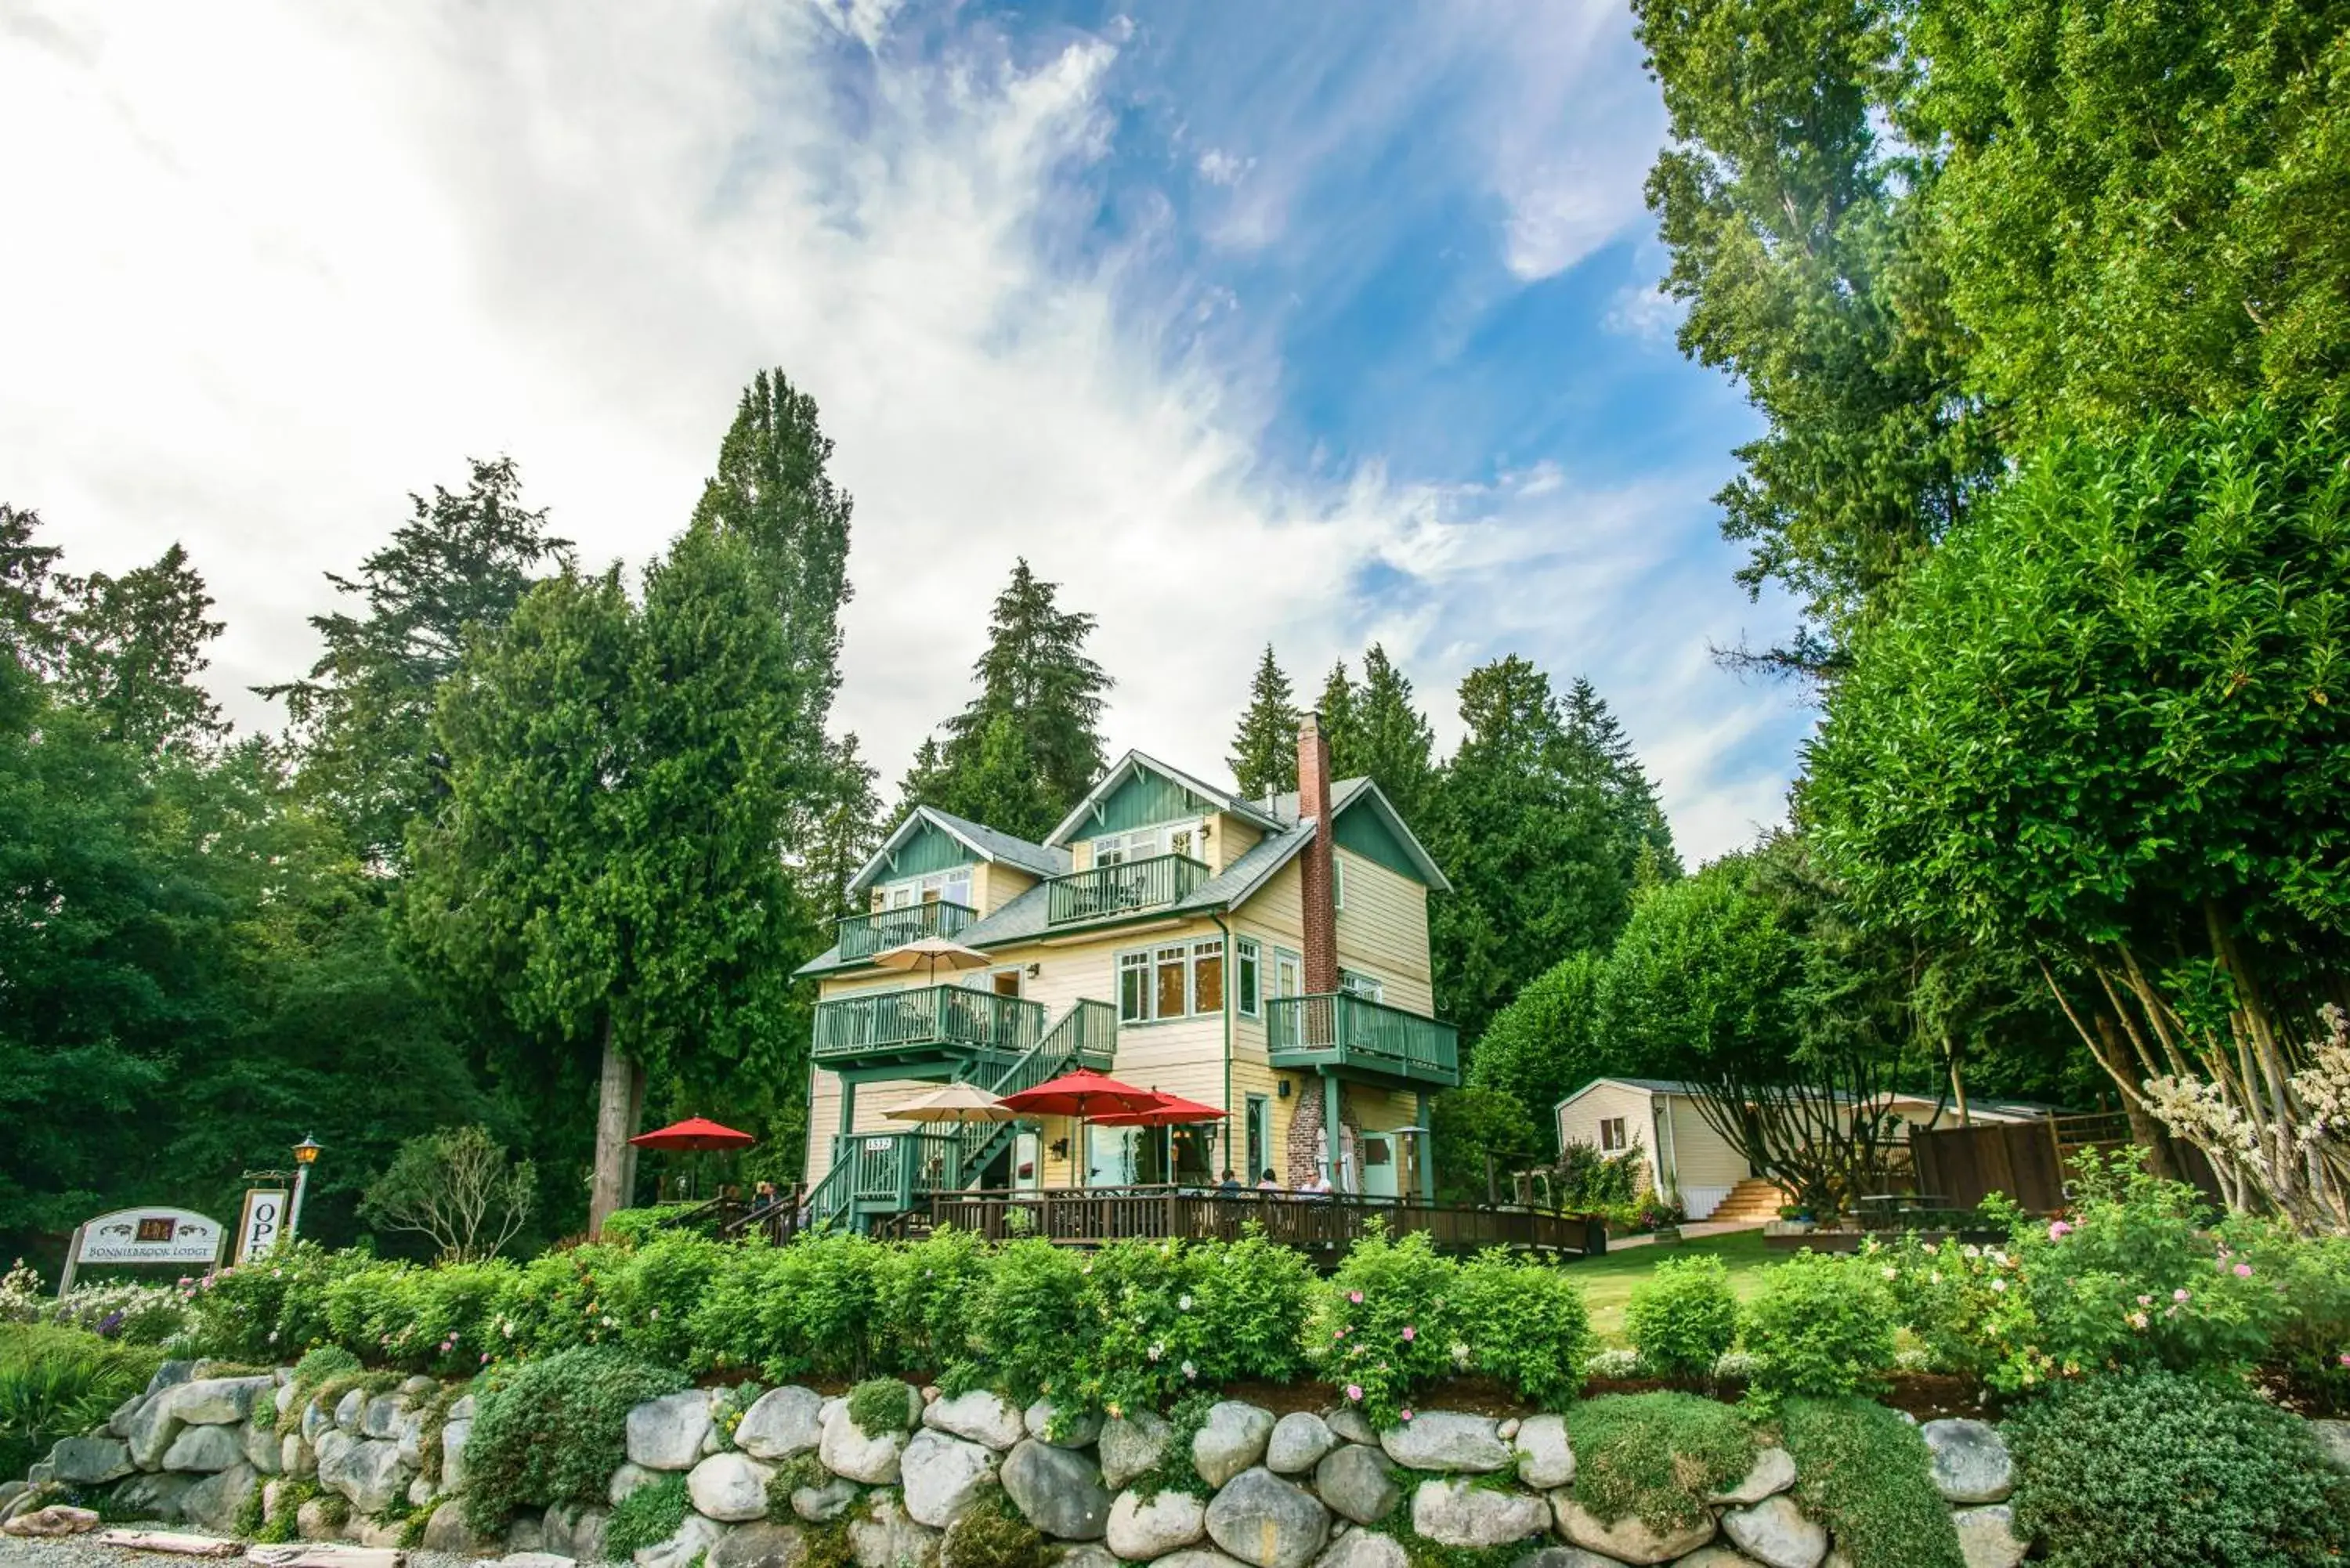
<point x="951" y="887"/>
<point x="1143" y="843"/>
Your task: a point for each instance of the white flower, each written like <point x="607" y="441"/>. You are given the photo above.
<point x="1972" y="1250"/>
<point x="1182" y="1304"/>
<point x="1190" y="1370"/>
<point x="1891" y="1272"/>
<point x="1998" y="1284"/>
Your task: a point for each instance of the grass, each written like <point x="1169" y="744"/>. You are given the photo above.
<point x="1656" y="1457"/>
<point x="1607" y="1280"/>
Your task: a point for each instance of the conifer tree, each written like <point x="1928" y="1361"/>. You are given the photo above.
<point x="451" y="575"/>
<point x="132" y="646"/>
<point x="1392" y="744"/>
<point x="1264" y="748"/>
<point x="1339" y="725"/>
<point x="1029" y="745"/>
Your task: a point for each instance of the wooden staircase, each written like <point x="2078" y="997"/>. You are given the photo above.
<point x="1752" y="1201"/>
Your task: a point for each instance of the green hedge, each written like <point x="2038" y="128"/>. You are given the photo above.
<point x="1131" y="1325"/>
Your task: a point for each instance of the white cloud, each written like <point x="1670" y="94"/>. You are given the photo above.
<point x="277" y="267"/>
<point x="1218" y="167"/>
<point x="1644" y="311"/>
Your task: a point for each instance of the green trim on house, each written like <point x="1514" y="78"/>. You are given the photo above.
<point x="1367" y="835"/>
<point x="1144" y="798"/>
<point x="928" y="849"/>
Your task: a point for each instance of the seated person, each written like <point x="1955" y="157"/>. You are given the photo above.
<point x="1268" y="1182"/>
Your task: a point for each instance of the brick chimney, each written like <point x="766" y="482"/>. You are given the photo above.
<point x="1314" y="865"/>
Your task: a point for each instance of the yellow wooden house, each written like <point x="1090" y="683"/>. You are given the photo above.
<point x="1266" y="957"/>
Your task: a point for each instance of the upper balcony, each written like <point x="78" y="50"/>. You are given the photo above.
<point x="1357" y="1033"/>
<point x="1122" y="887"/>
<point x="925" y="1029"/>
<point x="862" y="935"/>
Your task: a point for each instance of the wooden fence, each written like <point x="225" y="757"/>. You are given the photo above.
<point x="1310" y="1222"/>
<point x="1958" y="1167"/>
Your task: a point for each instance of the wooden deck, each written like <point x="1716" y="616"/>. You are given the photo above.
<point x="1314" y="1223"/>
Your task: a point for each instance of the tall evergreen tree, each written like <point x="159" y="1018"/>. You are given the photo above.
<point x="1264" y="748"/>
<point x="559" y="887"/>
<point x="452" y="573"/>
<point x="1390" y="741"/>
<point x="28" y="593"/>
<point x="1030" y="743"/>
<point x="132" y="648"/>
<point x="771" y="488"/>
<point x="1340" y="726"/>
<point x="1544" y="834"/>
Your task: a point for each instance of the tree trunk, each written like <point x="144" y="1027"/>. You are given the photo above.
<point x="636" y="1120"/>
<point x="613" y="1128"/>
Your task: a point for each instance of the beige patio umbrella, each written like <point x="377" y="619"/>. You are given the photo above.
<point x="953" y="1102"/>
<point x="932" y="954"/>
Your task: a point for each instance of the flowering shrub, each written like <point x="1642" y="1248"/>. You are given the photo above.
<point x="653" y="1292"/>
<point x="1682" y="1317"/>
<point x="1821" y="1325"/>
<point x="131" y="1312"/>
<point x="1526" y="1323"/>
<point x="270" y="1310"/>
<point x="2309" y="1340"/>
<point x="2130" y="1279"/>
<point x="1254" y="1295"/>
<point x="1388" y="1319"/>
<point x="925" y="1291"/>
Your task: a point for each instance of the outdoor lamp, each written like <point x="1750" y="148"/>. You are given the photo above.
<point x="305" y="1155"/>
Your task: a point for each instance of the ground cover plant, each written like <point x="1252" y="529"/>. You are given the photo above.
<point x="553" y="1430"/>
<point x="60" y="1383"/>
<point x="1656" y="1457"/>
<point x="2165" y="1470"/>
<point x="1862" y="1470"/>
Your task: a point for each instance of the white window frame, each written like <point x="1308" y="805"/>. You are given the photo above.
<point x="1146" y="962"/>
<point x="1248" y="958"/>
<point x="1293" y="963"/>
<point x="1621" y="1127"/>
<point x="930" y="888"/>
<point x="1337" y="879"/>
<point x="1370" y="987"/>
<point x="1144" y="843"/>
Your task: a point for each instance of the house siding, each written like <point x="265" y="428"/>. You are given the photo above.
<point x="1705" y="1164"/>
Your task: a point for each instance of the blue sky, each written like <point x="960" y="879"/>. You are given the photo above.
<point x="1317" y="324"/>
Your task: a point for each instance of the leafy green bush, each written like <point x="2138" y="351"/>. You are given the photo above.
<point x="1656" y="1457"/>
<point x="633" y="1227"/>
<point x="2309" y="1341"/>
<point x="2162" y="1469"/>
<point x="924" y="1292"/>
<point x="1863" y="1471"/>
<point x="60" y="1383"/>
<point x="1821" y="1324"/>
<point x="1386" y="1322"/>
<point x="132" y="1313"/>
<point x="553" y="1430"/>
<point x="880" y="1405"/>
<point x="1253" y="1295"/>
<point x="1683" y="1316"/>
<point x="1526" y="1323"/>
<point x="1030" y="1318"/>
<point x="2131" y="1278"/>
<point x="646" y="1517"/>
<point x="267" y="1311"/>
<point x="655" y="1288"/>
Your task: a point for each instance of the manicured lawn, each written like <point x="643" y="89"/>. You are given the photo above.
<point x="1607" y="1280"/>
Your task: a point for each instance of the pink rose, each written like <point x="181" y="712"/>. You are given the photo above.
<point x="1356" y="1297"/>
<point x="2058" y="1230"/>
<point x="1406" y="1415"/>
<point x="1409" y="1332"/>
<point x="2178" y="1296"/>
<point x="1354" y="1391"/>
<point x="2243" y="1270"/>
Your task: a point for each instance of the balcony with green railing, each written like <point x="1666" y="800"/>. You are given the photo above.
<point x="930" y="1027"/>
<point x="1360" y="1035"/>
<point x="862" y="935"/>
<point x="1123" y="887"/>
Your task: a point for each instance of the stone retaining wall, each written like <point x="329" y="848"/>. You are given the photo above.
<point x="1301" y="1490"/>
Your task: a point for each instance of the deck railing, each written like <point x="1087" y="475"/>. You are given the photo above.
<point x="1338" y="1029"/>
<point x="1122" y="885"/>
<point x="876" y="1021"/>
<point x="862" y="935"/>
<point x="1085" y="1036"/>
<point x="1315" y="1222"/>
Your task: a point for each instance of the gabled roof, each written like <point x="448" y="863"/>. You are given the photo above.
<point x="981" y="840"/>
<point x="1345" y="795"/>
<point x="1134" y="761"/>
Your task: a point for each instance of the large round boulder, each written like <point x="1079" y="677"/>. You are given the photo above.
<point x="1357" y="1482"/>
<point x="730" y="1487"/>
<point x="1464" y="1513"/>
<point x="1775" y="1533"/>
<point x="667" y="1433"/>
<point x="1447" y="1441"/>
<point x="943" y="1476"/>
<point x="1232" y="1439"/>
<point x="1263" y="1519"/>
<point x="1060" y="1490"/>
<point x="781" y="1423"/>
<point x="1140" y="1531"/>
<point x="1969" y="1462"/>
<point x="1298" y="1442"/>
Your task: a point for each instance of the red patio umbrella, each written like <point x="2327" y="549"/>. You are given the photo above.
<point x="694" y="1133"/>
<point x="1080" y="1094"/>
<point x="1171" y="1111"/>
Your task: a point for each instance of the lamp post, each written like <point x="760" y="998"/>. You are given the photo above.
<point x="305" y="1155"/>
